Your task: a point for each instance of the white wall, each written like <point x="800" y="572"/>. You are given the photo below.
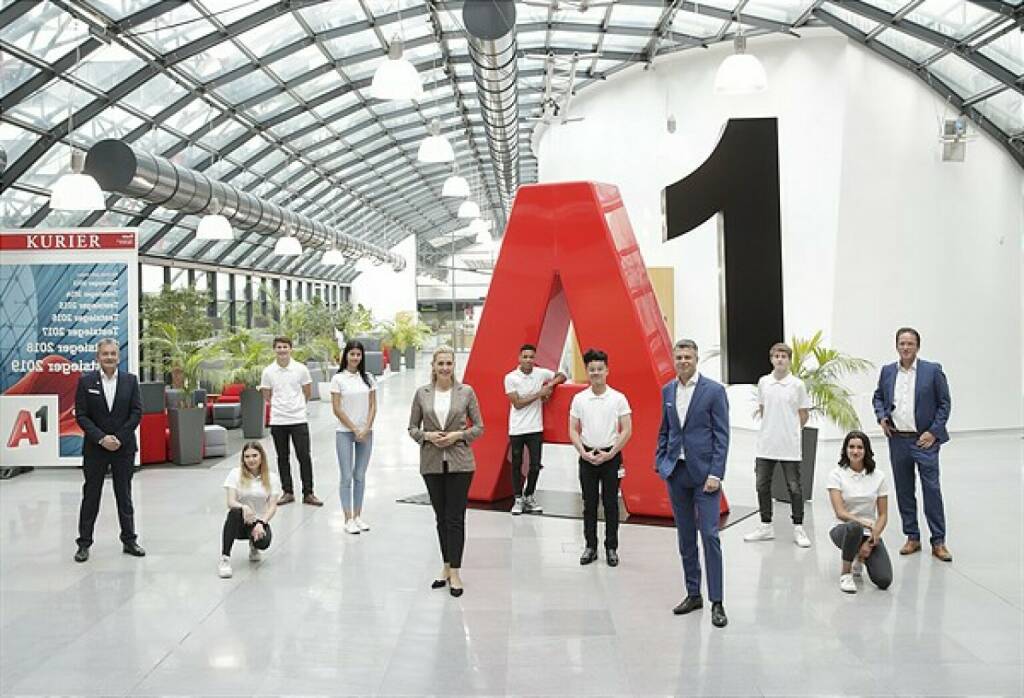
<point x="877" y="232"/>
<point x="386" y="292"/>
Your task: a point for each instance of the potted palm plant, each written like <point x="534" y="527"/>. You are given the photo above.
<point x="822" y="370"/>
<point x="409" y="336"/>
<point x="248" y="354"/>
<point x="167" y="349"/>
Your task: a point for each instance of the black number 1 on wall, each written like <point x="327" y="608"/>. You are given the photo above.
<point x="740" y="179"/>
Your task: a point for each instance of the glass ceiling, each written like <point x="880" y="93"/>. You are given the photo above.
<point x="272" y="96"/>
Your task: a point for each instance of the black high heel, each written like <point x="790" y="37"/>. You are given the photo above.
<point x="456" y="591"/>
<point x="438" y="583"/>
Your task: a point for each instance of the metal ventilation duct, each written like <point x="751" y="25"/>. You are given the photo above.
<point x="120" y="168"/>
<point x="491" y="33"/>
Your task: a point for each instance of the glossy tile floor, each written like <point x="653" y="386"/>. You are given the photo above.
<point x="328" y="613"/>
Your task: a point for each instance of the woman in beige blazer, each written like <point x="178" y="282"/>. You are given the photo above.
<point x="445" y="419"/>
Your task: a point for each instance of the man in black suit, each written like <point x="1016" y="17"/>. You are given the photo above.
<point x="108" y="407"/>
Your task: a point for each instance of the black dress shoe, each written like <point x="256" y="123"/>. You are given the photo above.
<point x="456" y="591"/>
<point x="718" y="618"/>
<point x="612" y="556"/>
<point x="438" y="583"/>
<point x="82" y="554"/>
<point x="690" y="603"/>
<point x="588" y="556"/>
<point x="133" y="549"/>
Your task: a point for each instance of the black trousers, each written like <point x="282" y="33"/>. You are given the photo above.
<point x="297" y="434"/>
<point x="765" y="470"/>
<point x="601" y="481"/>
<point x="532" y="442"/>
<point x="235" y="528"/>
<point x="448" y="495"/>
<point x="95" y="469"/>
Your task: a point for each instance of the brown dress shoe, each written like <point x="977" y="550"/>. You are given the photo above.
<point x="286" y="498"/>
<point x="942" y="552"/>
<point x="910" y="547"/>
<point x="312" y="499"/>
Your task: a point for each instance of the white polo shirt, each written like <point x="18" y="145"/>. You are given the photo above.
<point x="860" y="491"/>
<point x="251" y="490"/>
<point x="599" y="416"/>
<point x="355" y="397"/>
<point x="779" y="438"/>
<point x="287" y="401"/>
<point x="529" y="419"/>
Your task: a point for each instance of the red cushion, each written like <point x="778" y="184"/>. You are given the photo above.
<point x="152" y="438"/>
<point x="232" y="390"/>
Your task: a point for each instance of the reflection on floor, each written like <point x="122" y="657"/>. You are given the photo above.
<point x="335" y="614"/>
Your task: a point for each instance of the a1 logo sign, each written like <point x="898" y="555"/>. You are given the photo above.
<point x="29" y="430"/>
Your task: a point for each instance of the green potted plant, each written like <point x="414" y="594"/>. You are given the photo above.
<point x="248" y="354"/>
<point x="167" y="350"/>
<point x="409" y="335"/>
<point x="822" y="370"/>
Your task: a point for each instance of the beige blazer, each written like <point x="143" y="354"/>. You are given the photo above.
<point x="422" y="419"/>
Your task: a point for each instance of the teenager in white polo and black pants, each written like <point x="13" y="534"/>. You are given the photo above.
<point x="599" y="427"/>
<point x="527" y="387"/>
<point x="286" y="383"/>
<point x="784" y="406"/>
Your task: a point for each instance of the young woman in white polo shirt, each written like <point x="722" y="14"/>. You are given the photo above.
<point x="860" y="496"/>
<point x="354" y="400"/>
<point x="252" y="493"/>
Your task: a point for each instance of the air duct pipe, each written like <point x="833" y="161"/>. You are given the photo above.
<point x="491" y="34"/>
<point x="120" y="168"/>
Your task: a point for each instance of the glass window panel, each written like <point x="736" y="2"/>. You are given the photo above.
<point x="593" y="15"/>
<point x="169" y="241"/>
<point x="113" y="219"/>
<point x="179" y="278"/>
<point x="223" y="289"/>
<point x="268" y="163"/>
<point x="293" y="124"/>
<point x="853" y="19"/>
<point x="170" y="30"/>
<point x="890" y="6"/>
<point x="13" y="73"/>
<point x="311" y="89"/>
<point x="1007" y="50"/>
<point x="914" y="49"/>
<point x="312" y="138"/>
<point x="15" y="140"/>
<point x="964" y="78"/>
<point x="49" y="106"/>
<point x="786" y="11"/>
<point x="246" y="86"/>
<point x="64" y="219"/>
<point x="45" y="171"/>
<point x="353" y="44"/>
<point x="154" y="95"/>
<point x="695" y="24"/>
<point x="249" y="148"/>
<point x="192" y="116"/>
<point x="225" y="132"/>
<point x="151" y="278"/>
<point x="107" y="66"/>
<point x="272" y="35"/>
<point x="330" y="16"/>
<point x="584" y="41"/>
<point x="309" y="58"/>
<point x="335" y="106"/>
<point x="955" y="18"/>
<point x="46" y="31"/>
<point x="112" y="122"/>
<point x="213" y="253"/>
<point x="628" y="16"/>
<point x="1006" y="110"/>
<point x="272" y="107"/>
<point x="214" y="61"/>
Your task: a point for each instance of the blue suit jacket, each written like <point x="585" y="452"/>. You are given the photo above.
<point x="931" y="398"/>
<point x="704" y="437"/>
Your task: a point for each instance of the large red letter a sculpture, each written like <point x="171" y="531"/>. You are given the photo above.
<point x="569" y="252"/>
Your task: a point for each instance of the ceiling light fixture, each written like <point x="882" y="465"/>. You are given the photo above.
<point x="435" y="147"/>
<point x="214" y="226"/>
<point x="741" y="73"/>
<point x="288" y="245"/>
<point x="455" y="187"/>
<point x="469" y="209"/>
<point x="396" y="77"/>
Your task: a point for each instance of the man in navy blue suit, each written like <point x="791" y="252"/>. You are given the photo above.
<point x="693" y="443"/>
<point x="912" y="406"/>
<point x="108" y="408"/>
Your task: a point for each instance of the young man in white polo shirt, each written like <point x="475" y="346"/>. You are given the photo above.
<point x="784" y="405"/>
<point x="527" y="388"/>
<point x="599" y="427"/>
<point x="287" y="385"/>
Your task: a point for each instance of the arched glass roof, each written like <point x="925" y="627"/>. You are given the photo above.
<point x="272" y="97"/>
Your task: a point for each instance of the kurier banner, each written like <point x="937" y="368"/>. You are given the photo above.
<point x="63" y="290"/>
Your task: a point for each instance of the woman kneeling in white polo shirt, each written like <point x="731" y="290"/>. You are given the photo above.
<point x="252" y="492"/>
<point x="860" y="496"/>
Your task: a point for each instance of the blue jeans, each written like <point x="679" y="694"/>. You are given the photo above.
<point x="353" y="468"/>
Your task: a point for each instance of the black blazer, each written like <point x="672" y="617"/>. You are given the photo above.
<point x="97" y="421"/>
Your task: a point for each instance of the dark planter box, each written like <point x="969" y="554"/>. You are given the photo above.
<point x="369" y="343"/>
<point x="186" y="424"/>
<point x="252" y="414"/>
<point x="809" y="450"/>
<point x="394" y="359"/>
<point x="410" y="357"/>
<point x="153" y="399"/>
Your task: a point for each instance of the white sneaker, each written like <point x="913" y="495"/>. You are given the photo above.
<point x="858" y="567"/>
<point x="363" y="526"/>
<point x="764" y="531"/>
<point x="847" y="584"/>
<point x="224" y="568"/>
<point x="254" y="554"/>
<point x="800" y="537"/>
<point x="532" y="507"/>
<point x="351" y="526"/>
<point x="517" y="506"/>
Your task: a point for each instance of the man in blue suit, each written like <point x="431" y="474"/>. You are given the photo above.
<point x="108" y="408"/>
<point x="693" y="443"/>
<point x="912" y="405"/>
